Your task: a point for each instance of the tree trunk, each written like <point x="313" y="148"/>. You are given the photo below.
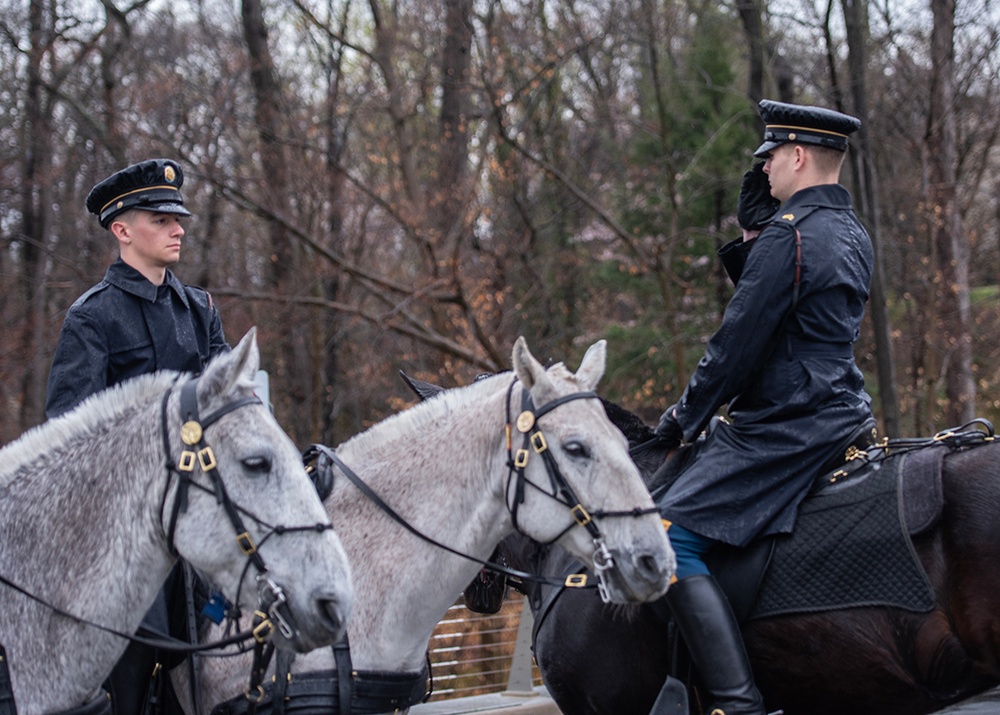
<point x="36" y="175"/>
<point x="945" y="220"/>
<point x="288" y="373"/>
<point x="453" y="124"/>
<point x="749" y="11"/>
<point x="267" y="115"/>
<point x="856" y="21"/>
<point x="328" y="365"/>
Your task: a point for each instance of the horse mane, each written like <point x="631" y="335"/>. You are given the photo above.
<point x="435" y="401"/>
<point x="89" y="417"/>
<point x="424" y="413"/>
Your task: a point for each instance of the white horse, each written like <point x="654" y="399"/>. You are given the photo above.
<point x="89" y="529"/>
<point x="443" y="465"/>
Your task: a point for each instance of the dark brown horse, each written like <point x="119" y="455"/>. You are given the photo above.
<point x="602" y="660"/>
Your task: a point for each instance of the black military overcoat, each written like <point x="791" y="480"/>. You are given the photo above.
<point x="124" y="327"/>
<point x="794" y="392"/>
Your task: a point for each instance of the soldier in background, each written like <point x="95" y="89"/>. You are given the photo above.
<point x="138" y="320"/>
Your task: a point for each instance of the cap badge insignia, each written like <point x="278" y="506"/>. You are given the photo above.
<point x="168" y="174"/>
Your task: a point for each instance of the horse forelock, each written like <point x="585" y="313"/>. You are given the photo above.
<point x="558" y="369"/>
<point x="92" y="416"/>
<point x="551" y="388"/>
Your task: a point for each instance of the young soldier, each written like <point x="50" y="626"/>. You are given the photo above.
<point x="137" y="320"/>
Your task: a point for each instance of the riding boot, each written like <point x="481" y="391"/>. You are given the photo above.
<point x="713" y="639"/>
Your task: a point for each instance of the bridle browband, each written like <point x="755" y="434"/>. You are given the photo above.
<point x="274" y="610"/>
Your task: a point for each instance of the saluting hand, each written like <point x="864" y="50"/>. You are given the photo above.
<point x="755" y="207"/>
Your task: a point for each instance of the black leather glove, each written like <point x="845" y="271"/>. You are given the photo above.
<point x="756" y="207"/>
<point x="669" y="430"/>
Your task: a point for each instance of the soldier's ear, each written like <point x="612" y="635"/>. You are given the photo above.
<point x="120" y="230"/>
<point x="801" y="152"/>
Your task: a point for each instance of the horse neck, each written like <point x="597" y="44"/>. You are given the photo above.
<point x="449" y="486"/>
<point x="80" y="530"/>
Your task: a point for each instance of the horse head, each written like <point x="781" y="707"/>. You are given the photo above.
<point x="242" y="510"/>
<point x="576" y="484"/>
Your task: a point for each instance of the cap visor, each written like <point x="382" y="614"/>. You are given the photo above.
<point x="165" y="208"/>
<point x="765" y="148"/>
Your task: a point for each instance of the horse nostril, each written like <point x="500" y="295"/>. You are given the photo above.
<point x="331" y="614"/>
<point x="651" y="568"/>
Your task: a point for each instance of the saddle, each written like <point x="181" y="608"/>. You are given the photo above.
<point x="740" y="571"/>
<point x="883" y="494"/>
<point x="342" y="691"/>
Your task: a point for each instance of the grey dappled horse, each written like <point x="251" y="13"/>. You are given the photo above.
<point x="443" y="465"/>
<point x="87" y="525"/>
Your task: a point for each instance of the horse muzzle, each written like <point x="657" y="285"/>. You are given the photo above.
<point x="319" y="622"/>
<point x="635" y="575"/>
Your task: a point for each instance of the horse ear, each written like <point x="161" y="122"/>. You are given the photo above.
<point x="238" y="367"/>
<point x="424" y="390"/>
<point x="528" y="370"/>
<point x="592" y="366"/>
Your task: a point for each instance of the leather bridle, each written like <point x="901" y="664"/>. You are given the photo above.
<point x="274" y="610"/>
<point x="527" y="423"/>
<point x="405" y="686"/>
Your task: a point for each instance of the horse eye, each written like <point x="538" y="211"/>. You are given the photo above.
<point x="259" y="465"/>
<point x="576" y="449"/>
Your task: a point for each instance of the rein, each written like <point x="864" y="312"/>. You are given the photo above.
<point x="272" y="599"/>
<point x="338" y="691"/>
<point x="274" y="609"/>
<point x="206" y="457"/>
<point x="527" y="423"/>
<point x="322" y="450"/>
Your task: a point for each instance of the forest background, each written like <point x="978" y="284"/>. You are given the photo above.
<point x="410" y="185"/>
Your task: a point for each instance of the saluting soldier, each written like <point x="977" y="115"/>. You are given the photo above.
<point x="138" y="320"/>
<point x="783" y="362"/>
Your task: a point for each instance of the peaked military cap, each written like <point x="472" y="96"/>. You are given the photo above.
<point x="799" y="123"/>
<point x="151" y="185"/>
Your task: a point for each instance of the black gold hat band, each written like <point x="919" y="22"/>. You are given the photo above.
<point x="137" y="191"/>
<point x="812" y="130"/>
